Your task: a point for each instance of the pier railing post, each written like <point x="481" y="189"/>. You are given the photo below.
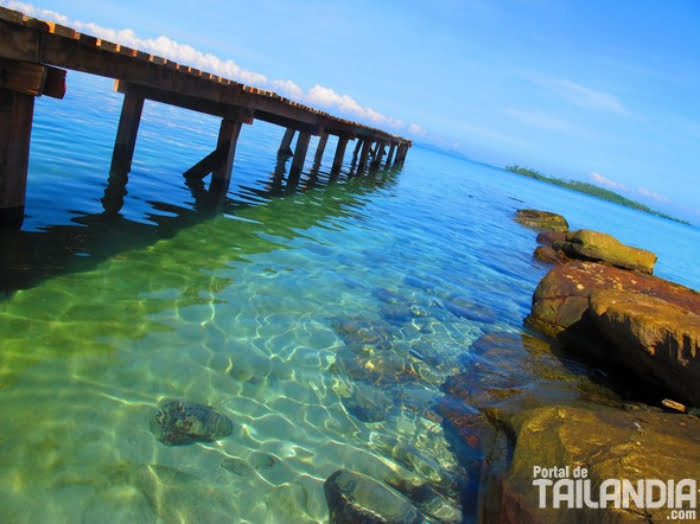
<point x="16" y="113"/>
<point x="126" y="134"/>
<point x="285" y="146"/>
<point x="366" y="146"/>
<point x="339" y="154"/>
<point x="226" y="147"/>
<point x="299" y="154"/>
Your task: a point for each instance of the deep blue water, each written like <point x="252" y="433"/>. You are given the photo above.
<point x="250" y="310"/>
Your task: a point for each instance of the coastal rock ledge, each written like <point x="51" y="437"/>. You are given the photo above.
<point x="610" y="444"/>
<point x="644" y="324"/>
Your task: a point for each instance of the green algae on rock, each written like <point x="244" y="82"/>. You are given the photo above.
<point x="586" y="244"/>
<point x="541" y="220"/>
<point x="180" y="422"/>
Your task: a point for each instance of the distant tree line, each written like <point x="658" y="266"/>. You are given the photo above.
<point x="590" y="189"/>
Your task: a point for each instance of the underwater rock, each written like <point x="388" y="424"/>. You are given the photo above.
<point x="376" y="367"/>
<point x="465" y="308"/>
<point x="401" y="313"/>
<point x="180" y="422"/>
<point x="609" y="443"/>
<point x="427" y="500"/>
<point x="237" y="467"/>
<point x="547" y="238"/>
<point x="368" y="403"/>
<point x="653" y="338"/>
<point x="353" y="498"/>
<point x="361" y="330"/>
<point x="585" y="244"/>
<point x="542" y="220"/>
<point x="550" y="255"/>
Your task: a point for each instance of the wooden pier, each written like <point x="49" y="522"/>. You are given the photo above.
<point x="34" y="57"/>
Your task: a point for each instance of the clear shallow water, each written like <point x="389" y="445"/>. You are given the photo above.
<point x="256" y="311"/>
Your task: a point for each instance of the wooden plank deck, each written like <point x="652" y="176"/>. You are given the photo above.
<point x="34" y="55"/>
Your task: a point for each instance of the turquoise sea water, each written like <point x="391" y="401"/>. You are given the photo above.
<point x="254" y="308"/>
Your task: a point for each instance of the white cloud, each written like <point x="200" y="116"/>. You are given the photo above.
<point x="320" y="96"/>
<point x="607" y="182"/>
<point x="416" y="130"/>
<point x="651" y="194"/>
<point x="580" y="95"/>
<point x="545" y="121"/>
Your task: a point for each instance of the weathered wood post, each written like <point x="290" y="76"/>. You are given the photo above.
<point x="286" y="144"/>
<point x="16" y="113"/>
<point x="299" y="154"/>
<point x="226" y="146"/>
<point x="125" y="142"/>
<point x="379" y="154"/>
<point x="339" y="154"/>
<point x="358" y="144"/>
<point x="390" y="155"/>
<point x="20" y="83"/>
<point x="400" y="154"/>
<point x="366" y="146"/>
<point x="320" y="149"/>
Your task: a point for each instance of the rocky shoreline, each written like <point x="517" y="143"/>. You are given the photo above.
<point x="599" y="388"/>
<point x="636" y="339"/>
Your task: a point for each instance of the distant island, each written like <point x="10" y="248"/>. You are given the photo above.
<point x="590" y="189"/>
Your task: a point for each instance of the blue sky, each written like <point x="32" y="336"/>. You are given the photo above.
<point x="606" y="92"/>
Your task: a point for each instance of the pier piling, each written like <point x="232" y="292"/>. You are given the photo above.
<point x="125" y="142"/>
<point x="34" y="56"/>
<point x="16" y="112"/>
<point x="286" y="144"/>
<point x="299" y="154"/>
<point x="339" y="154"/>
<point x="320" y="149"/>
<point x="366" y="146"/>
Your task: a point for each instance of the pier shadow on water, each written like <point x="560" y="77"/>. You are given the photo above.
<point x="264" y="207"/>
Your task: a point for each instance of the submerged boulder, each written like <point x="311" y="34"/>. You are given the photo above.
<point x="368" y="403"/>
<point x="593" y="245"/>
<point x="550" y="255"/>
<point x="353" y="498"/>
<point x="180" y="422"/>
<point x="609" y="444"/>
<point x="657" y="339"/>
<point x="542" y="220"/>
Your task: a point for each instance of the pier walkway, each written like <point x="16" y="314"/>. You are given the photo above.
<point x="35" y="56"/>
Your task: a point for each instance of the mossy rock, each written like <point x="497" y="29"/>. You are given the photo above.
<point x="541" y="220"/>
<point x="586" y="244"/>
